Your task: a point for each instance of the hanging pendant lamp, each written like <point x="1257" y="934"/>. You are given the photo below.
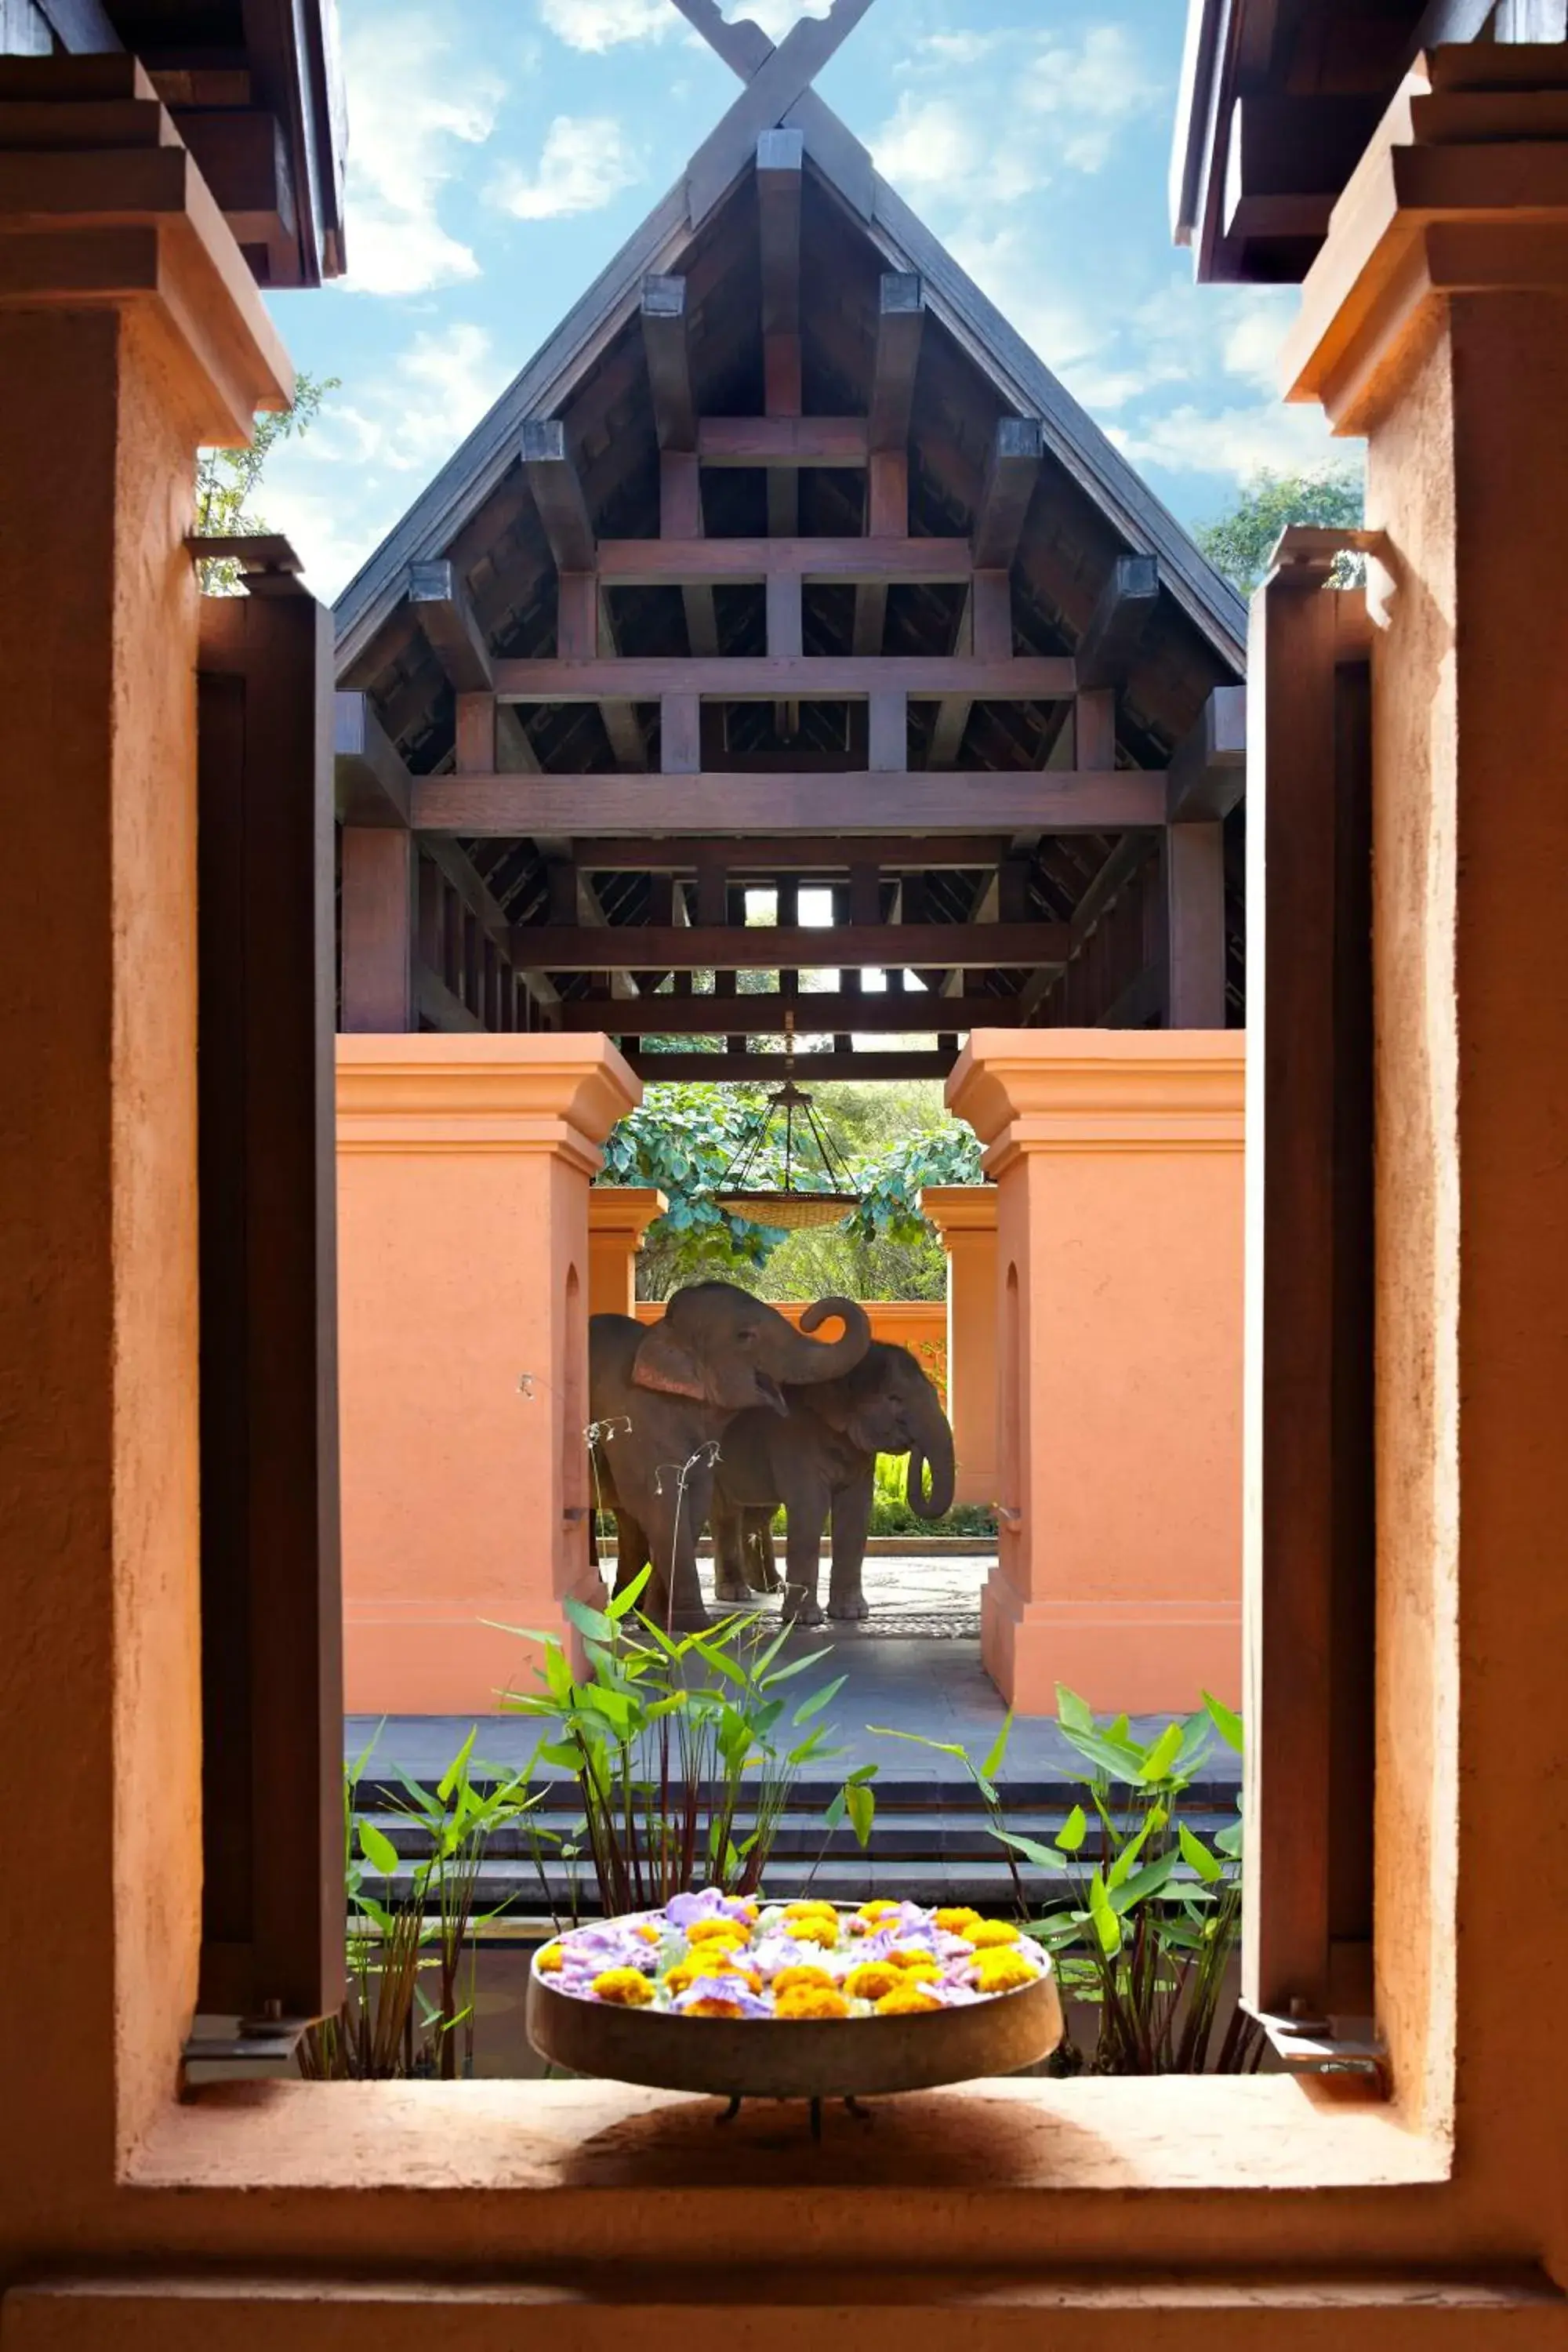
<point x="819" y="1195"/>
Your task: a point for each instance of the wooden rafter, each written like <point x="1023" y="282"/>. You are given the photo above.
<point x="756" y="857"/>
<point x="819" y="806"/>
<point x="824" y="1014"/>
<point x="441" y="607"/>
<point x="736" y="1065"/>
<point x="1208" y="769"/>
<point x="739" y="947"/>
<point x="1032" y="677"/>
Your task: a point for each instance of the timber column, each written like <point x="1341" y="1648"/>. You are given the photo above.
<point x="464" y="1166"/>
<point x="618" y="1216"/>
<point x="1434" y="323"/>
<point x="965" y="1216"/>
<point x="1118" y="1164"/>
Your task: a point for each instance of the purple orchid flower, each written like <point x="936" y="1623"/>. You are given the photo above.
<point x="684" y="1910"/>
<point x="725" y="1988"/>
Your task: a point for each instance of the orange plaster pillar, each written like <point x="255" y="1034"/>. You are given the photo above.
<point x="618" y="1216"/>
<point x="463" y="1185"/>
<point x="1434" y="324"/>
<point x="1118" y="1164"/>
<point x="131" y="334"/>
<point x="965" y="1216"/>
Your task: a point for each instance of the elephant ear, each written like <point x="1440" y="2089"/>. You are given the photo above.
<point x="833" y="1404"/>
<point x="662" y="1363"/>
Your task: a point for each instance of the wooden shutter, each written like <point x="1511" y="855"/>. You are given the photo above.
<point x="1309" y="1555"/>
<point x="271" y="1605"/>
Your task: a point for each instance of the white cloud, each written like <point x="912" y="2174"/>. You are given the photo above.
<point x="936" y="145"/>
<point x="409" y="109"/>
<point x="405" y="421"/>
<point x="776" y="17"/>
<point x="585" y="161"/>
<point x="1090" y="88"/>
<point x="1236" y="441"/>
<point x="600" y="25"/>
<point x="946" y="49"/>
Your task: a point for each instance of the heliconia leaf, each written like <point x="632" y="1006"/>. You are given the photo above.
<point x="1044" y="1857"/>
<point x="1163" y="1755"/>
<point x="1073" y="1831"/>
<point x="457" y="1768"/>
<point x="623" y="1601"/>
<point x="378" y="1849"/>
<point x="591" y="1622"/>
<point x="1197" y="1856"/>
<point x="1073" y="1713"/>
<point x="817" y="1701"/>
<point x="1225" y="1723"/>
<point x="992" y="1764"/>
<point x="862" y="1803"/>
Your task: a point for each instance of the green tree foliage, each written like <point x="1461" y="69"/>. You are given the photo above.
<point x="893" y="1139"/>
<point x="1239" y="543"/>
<point x="228" y="479"/>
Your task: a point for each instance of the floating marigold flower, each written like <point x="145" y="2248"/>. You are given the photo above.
<point x="551" y="1960"/>
<point x="802" y="1973"/>
<point x="913" y="1961"/>
<point x="711" y="1932"/>
<point x="821" y="1929"/>
<point x="907" y="1999"/>
<point x="708" y="1962"/>
<point x="872" y="1979"/>
<point x="811" y="2000"/>
<point x="622" y="1988"/>
<point x="647" y="1931"/>
<point x="1002" y="1970"/>
<point x="810" y="1907"/>
<point x="877" y="1908"/>
<point x="986" y="1935"/>
<point x="957" y="1920"/>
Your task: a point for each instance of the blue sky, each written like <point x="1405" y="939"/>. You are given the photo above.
<point x="501" y="150"/>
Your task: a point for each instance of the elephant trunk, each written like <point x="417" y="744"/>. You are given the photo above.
<point x="936" y="1500"/>
<point x="804" y="1360"/>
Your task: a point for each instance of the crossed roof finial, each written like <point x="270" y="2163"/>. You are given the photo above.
<point x="776" y="79"/>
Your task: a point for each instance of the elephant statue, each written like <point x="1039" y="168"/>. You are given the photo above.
<point x="662" y="1395"/>
<point x="820" y="1461"/>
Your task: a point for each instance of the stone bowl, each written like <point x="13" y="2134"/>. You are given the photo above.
<point x="794" y="2058"/>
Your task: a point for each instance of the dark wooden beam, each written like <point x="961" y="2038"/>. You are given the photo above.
<point x="781" y="167"/>
<point x="755" y="857"/>
<point x="838" y="442"/>
<point x="820" y="807"/>
<point x="375" y="928"/>
<point x="373" y="786"/>
<point x="441" y="607"/>
<point x="900" y="323"/>
<point x="457" y="869"/>
<point x="667" y="353"/>
<point x="1017" y="453"/>
<point x="1139" y="1004"/>
<point x="1194" y="924"/>
<point x="660" y="562"/>
<point x="739" y="947"/>
<point x="823" y="1013"/>
<point x="769" y="1067"/>
<point x="1031" y="677"/>
<point x="242" y="154"/>
<point x="1130" y="853"/>
<point x="558" y="494"/>
<point x="1207" y="774"/>
<point x="1122" y="613"/>
<point x="1288" y="159"/>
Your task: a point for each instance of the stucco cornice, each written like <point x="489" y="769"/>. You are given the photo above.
<point x="1097" y="1090"/>
<point x="468" y="1094"/>
<point x="960" y="1208"/>
<point x="104" y="208"/>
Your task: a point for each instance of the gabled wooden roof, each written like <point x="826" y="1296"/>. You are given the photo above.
<point x="678" y="560"/>
<point x="845" y="187"/>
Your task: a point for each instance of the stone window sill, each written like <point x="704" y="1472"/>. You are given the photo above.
<point x="1174" y="2135"/>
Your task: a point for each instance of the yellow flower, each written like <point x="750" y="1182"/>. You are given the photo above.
<point x="822" y="1930"/>
<point x="549" y="1959"/>
<point x="810" y="1908"/>
<point x="623" y="1989"/>
<point x="907" y="1999"/>
<point x="875" y="1909"/>
<point x="811" y="2000"/>
<point x="958" y="1921"/>
<point x="1003" y="1972"/>
<point x="712" y="2009"/>
<point x="647" y="1931"/>
<point x="708" y="1962"/>
<point x="913" y="1963"/>
<point x="717" y="1931"/>
<point x="803" y="1973"/>
<point x="987" y="1933"/>
<point x="872" y="1979"/>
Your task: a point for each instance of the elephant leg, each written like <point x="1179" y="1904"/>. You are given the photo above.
<point x="762" y="1568"/>
<point x="805" y="1516"/>
<point x="728" y="1523"/>
<point x="851" y="1527"/>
